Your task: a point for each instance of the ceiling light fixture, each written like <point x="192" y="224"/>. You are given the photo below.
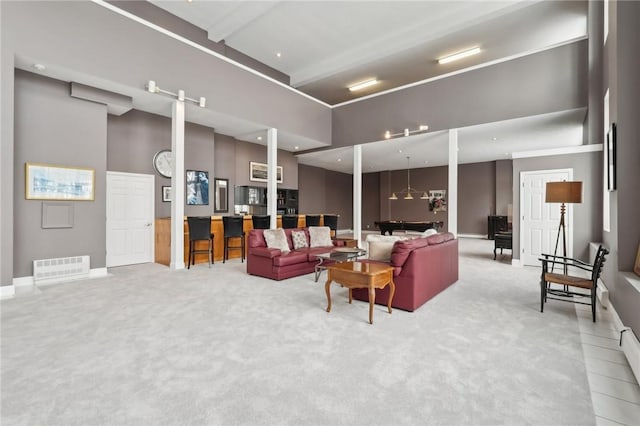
<point x="458" y="55"/>
<point x="363" y="84"/>
<point x="152" y="87"/>
<point x="39" y="67"/>
<point x="406" y="132"/>
<point x="409" y="191"/>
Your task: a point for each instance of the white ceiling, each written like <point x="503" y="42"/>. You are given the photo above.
<point x="327" y="45"/>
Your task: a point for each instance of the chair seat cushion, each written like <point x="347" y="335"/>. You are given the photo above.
<point x="568" y="280"/>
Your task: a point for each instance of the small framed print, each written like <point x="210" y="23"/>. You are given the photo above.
<point x="258" y="172"/>
<point x="166" y="194"/>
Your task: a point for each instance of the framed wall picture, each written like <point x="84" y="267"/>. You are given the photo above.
<point x="258" y="172"/>
<point x="166" y="194"/>
<point x="49" y="182"/>
<point x="438" y="200"/>
<point x="197" y="188"/>
<point x="610" y="152"/>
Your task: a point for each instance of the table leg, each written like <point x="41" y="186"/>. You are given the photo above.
<point x="327" y="288"/>
<point x="318" y="269"/>
<point x="392" y="292"/>
<point x="372" y="301"/>
<point x="350" y="296"/>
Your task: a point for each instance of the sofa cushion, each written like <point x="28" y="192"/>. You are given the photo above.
<point x="320" y="236"/>
<point x="256" y="238"/>
<point x="380" y="250"/>
<point x="276" y="238"/>
<point x="299" y="239"/>
<point x="402" y="249"/>
<point x="290" y="258"/>
<point x="440" y="238"/>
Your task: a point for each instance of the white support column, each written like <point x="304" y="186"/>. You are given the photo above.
<point x="272" y="175"/>
<point x="177" y="185"/>
<point x="452" y="198"/>
<point x="357" y="193"/>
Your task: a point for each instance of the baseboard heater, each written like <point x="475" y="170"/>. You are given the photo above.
<point x="47" y="271"/>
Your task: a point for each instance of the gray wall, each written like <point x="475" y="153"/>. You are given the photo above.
<point x="587" y="216"/>
<point x="504" y="186"/>
<point x="423" y="179"/>
<point x="620" y="74"/>
<point x="476" y="196"/>
<point x="553" y="80"/>
<point x="52" y="127"/>
<point x="133" y="139"/>
<point x="136" y="136"/>
<point x="371" y="191"/>
<point x="326" y="191"/>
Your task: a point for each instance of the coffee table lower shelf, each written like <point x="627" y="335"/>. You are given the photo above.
<point x="361" y="275"/>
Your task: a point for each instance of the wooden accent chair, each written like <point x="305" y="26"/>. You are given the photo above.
<point x="589" y="283"/>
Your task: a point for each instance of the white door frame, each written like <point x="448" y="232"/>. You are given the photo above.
<point x="151" y="207"/>
<point x="568" y="214"/>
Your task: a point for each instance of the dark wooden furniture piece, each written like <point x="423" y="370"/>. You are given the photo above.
<point x="361" y="275"/>
<point x="232" y="226"/>
<point x="395" y="225"/>
<point x="199" y="230"/>
<point x="261" y="222"/>
<point x="312" y="220"/>
<point x="496" y="224"/>
<point x="502" y="240"/>
<point x="590" y="283"/>
<point x="289" y="221"/>
<point x="331" y="220"/>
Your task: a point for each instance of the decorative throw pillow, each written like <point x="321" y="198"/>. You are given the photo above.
<point x="429" y="232"/>
<point x="320" y="236"/>
<point x="381" y="250"/>
<point x="276" y="238"/>
<point x="299" y="239"/>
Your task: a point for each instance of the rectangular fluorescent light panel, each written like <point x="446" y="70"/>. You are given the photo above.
<point x="363" y="84"/>
<point x="459" y="55"/>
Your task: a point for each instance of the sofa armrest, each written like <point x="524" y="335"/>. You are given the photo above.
<point x="338" y="243"/>
<point x="265" y="252"/>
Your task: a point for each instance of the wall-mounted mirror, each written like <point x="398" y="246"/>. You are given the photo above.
<point x="221" y="196"/>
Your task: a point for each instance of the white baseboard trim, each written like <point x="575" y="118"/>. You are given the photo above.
<point x="29" y="282"/>
<point x="629" y="342"/>
<point x="603" y="295"/>
<point x="516" y="262"/>
<point x="7" y="291"/>
<point x="478" y="236"/>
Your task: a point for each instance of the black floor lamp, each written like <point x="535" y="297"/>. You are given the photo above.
<point x="563" y="192"/>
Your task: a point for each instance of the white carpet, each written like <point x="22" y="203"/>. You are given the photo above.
<point x="216" y="346"/>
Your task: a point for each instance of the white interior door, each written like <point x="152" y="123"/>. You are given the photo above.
<point x="130" y="213"/>
<point x="539" y="221"/>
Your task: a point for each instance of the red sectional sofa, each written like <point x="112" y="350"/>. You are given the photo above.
<point x="273" y="263"/>
<point x="423" y="267"/>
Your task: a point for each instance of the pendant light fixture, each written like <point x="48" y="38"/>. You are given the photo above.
<point x="409" y="191"/>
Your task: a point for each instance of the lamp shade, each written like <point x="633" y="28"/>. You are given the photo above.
<point x="564" y="192"/>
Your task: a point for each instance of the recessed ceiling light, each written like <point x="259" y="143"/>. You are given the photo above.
<point x="494" y="139"/>
<point x="296" y="147"/>
<point x="400" y="151"/>
<point x="39" y="67"/>
<point x="279" y="55"/>
<point x="387" y="134"/>
<point x="259" y="138"/>
<point x="339" y="159"/>
<point x="458" y="55"/>
<point x="363" y="84"/>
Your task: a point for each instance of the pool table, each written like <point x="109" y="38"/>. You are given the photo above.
<point x="394" y="225"/>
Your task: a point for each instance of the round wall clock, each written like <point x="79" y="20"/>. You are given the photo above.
<point x="162" y="162"/>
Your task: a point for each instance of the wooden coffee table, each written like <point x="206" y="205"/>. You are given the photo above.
<point x="361" y="275"/>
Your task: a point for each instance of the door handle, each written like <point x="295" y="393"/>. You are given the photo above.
<point x="148" y="224"/>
